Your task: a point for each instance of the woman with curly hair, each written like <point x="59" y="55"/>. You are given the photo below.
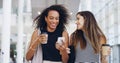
<point x="51" y="21"/>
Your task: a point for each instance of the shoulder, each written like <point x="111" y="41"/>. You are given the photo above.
<point x="35" y="33"/>
<point x="66" y="36"/>
<point x="72" y="35"/>
<point x="65" y="32"/>
<point x="71" y="38"/>
<point x="35" y="30"/>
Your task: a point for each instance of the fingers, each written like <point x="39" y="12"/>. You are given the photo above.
<point x="109" y="51"/>
<point x="62" y="49"/>
<point x="42" y="38"/>
<point x="57" y="46"/>
<point x="68" y="50"/>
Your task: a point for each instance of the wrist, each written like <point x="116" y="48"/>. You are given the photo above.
<point x="65" y="58"/>
<point x="31" y="48"/>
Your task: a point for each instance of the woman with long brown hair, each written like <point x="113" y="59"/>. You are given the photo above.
<point x="87" y="39"/>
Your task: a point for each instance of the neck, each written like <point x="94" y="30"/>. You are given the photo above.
<point x="50" y="30"/>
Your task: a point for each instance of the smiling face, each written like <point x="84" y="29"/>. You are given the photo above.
<point x="80" y="22"/>
<point x="52" y="20"/>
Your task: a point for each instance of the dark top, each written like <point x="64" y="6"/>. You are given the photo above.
<point x="49" y="50"/>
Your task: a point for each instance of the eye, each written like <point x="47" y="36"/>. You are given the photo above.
<point x="51" y="17"/>
<point x="57" y="18"/>
<point x="77" y="18"/>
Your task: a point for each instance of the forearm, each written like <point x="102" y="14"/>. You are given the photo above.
<point x="30" y="54"/>
<point x="65" y="58"/>
<point x="31" y="50"/>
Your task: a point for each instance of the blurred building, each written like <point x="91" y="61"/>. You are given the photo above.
<point x="22" y="12"/>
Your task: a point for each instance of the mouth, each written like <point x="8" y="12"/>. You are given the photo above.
<point x="53" y="25"/>
<point x="78" y="27"/>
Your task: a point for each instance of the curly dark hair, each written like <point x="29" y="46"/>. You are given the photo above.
<point x="63" y="18"/>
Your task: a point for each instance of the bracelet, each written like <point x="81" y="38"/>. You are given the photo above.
<point x="32" y="49"/>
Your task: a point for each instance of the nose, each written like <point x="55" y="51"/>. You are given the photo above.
<point x="55" y="20"/>
<point x="76" y="22"/>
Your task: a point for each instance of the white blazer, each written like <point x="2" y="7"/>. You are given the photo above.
<point x="37" y="58"/>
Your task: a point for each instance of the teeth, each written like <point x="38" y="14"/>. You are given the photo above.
<point x="53" y="24"/>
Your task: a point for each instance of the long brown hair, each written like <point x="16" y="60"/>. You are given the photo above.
<point x="91" y="30"/>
